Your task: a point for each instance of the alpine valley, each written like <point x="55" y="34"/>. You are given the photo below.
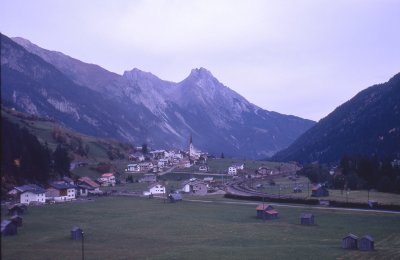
<point x="138" y="107"/>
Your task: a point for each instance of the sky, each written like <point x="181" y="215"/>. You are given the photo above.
<point x="298" y="57"/>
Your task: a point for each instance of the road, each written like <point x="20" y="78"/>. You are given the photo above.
<point x="297" y="206"/>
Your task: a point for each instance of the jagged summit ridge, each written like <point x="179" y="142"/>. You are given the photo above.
<point x="140" y="107"/>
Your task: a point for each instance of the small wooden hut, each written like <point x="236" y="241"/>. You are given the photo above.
<point x="76" y="233"/>
<point x="271" y="214"/>
<point x="350" y="242"/>
<point x="307" y="219"/>
<point x="366" y="243"/>
<point x="262" y="208"/>
<point x="8" y="228"/>
<point x="17" y="220"/>
<point x="175" y="197"/>
<point x="17" y="209"/>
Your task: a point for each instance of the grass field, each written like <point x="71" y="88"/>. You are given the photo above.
<point x="137" y="228"/>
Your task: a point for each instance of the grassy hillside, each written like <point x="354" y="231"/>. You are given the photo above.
<point x="137" y="228"/>
<point x="81" y="147"/>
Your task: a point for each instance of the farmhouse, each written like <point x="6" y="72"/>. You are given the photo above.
<point x="87" y="186"/>
<point x="133" y="167"/>
<point x="319" y="191"/>
<point x="61" y="191"/>
<point x="264" y="171"/>
<point x="30" y="193"/>
<point x="146" y="166"/>
<point x="107" y="179"/>
<point x="17" y="209"/>
<point x="203" y="168"/>
<point x="350" y="242"/>
<point x="8" y="228"/>
<point x="162" y="163"/>
<point x="195" y="186"/>
<point x="366" y="243"/>
<point x="307" y="219"/>
<point x="232" y="170"/>
<point x="155" y="188"/>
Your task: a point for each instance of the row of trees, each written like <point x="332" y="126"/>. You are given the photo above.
<point x="25" y="159"/>
<point x="356" y="172"/>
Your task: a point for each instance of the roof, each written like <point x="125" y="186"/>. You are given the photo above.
<point x="4" y="224"/>
<point x="368" y="237"/>
<point x="351" y="236"/>
<point x="18" y="205"/>
<point x="30" y="188"/>
<point x="75" y="229"/>
<point x="107" y="174"/>
<point x="89" y="181"/>
<point x="155" y="184"/>
<point x="175" y="196"/>
<point x="271" y="212"/>
<point x="306" y="215"/>
<point x="67" y="179"/>
<point x="59" y="185"/>
<point x="263" y="206"/>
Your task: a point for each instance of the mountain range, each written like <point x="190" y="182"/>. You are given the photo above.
<point x="139" y="107"/>
<point x="366" y="125"/>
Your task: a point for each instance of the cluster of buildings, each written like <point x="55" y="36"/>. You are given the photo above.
<point x="56" y="191"/>
<point x="193" y="186"/>
<point x="157" y="160"/>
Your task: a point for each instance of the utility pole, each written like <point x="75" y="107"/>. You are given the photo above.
<point x="83" y="249"/>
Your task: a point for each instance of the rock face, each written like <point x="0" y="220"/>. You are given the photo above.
<point x="368" y="124"/>
<point x="140" y="107"/>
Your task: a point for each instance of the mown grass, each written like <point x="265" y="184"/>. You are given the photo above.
<point x="137" y="228"/>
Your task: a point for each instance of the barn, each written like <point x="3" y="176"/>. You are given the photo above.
<point x="76" y="233"/>
<point x="307" y="219"/>
<point x="366" y="243"/>
<point x="350" y="242"/>
<point x="8" y="228"/>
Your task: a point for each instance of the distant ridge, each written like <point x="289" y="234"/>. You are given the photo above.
<point x="139" y="107"/>
<point x="368" y="125"/>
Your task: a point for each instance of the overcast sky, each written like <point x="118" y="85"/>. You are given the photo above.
<point x="301" y="57"/>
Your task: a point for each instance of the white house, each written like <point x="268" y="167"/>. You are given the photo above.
<point x="203" y="168"/>
<point x="61" y="191"/>
<point x="30" y="193"/>
<point x="162" y="163"/>
<point x="232" y="170"/>
<point x="155" y="188"/>
<point x="133" y="167"/>
<point x="239" y="166"/>
<point x="146" y="166"/>
<point x="107" y="179"/>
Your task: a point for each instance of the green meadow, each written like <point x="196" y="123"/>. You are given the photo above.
<point x="140" y="228"/>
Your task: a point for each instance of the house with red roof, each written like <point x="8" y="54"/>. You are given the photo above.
<point x="107" y="179"/>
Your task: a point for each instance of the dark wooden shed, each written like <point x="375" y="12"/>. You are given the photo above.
<point x="271" y="214"/>
<point x="17" y="209"/>
<point x="8" y="228"/>
<point x="366" y="243"/>
<point x="76" y="233"/>
<point x="175" y="197"/>
<point x="307" y="219"/>
<point x="350" y="242"/>
<point x="17" y="220"/>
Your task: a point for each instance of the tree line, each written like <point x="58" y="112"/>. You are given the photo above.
<point x="25" y="160"/>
